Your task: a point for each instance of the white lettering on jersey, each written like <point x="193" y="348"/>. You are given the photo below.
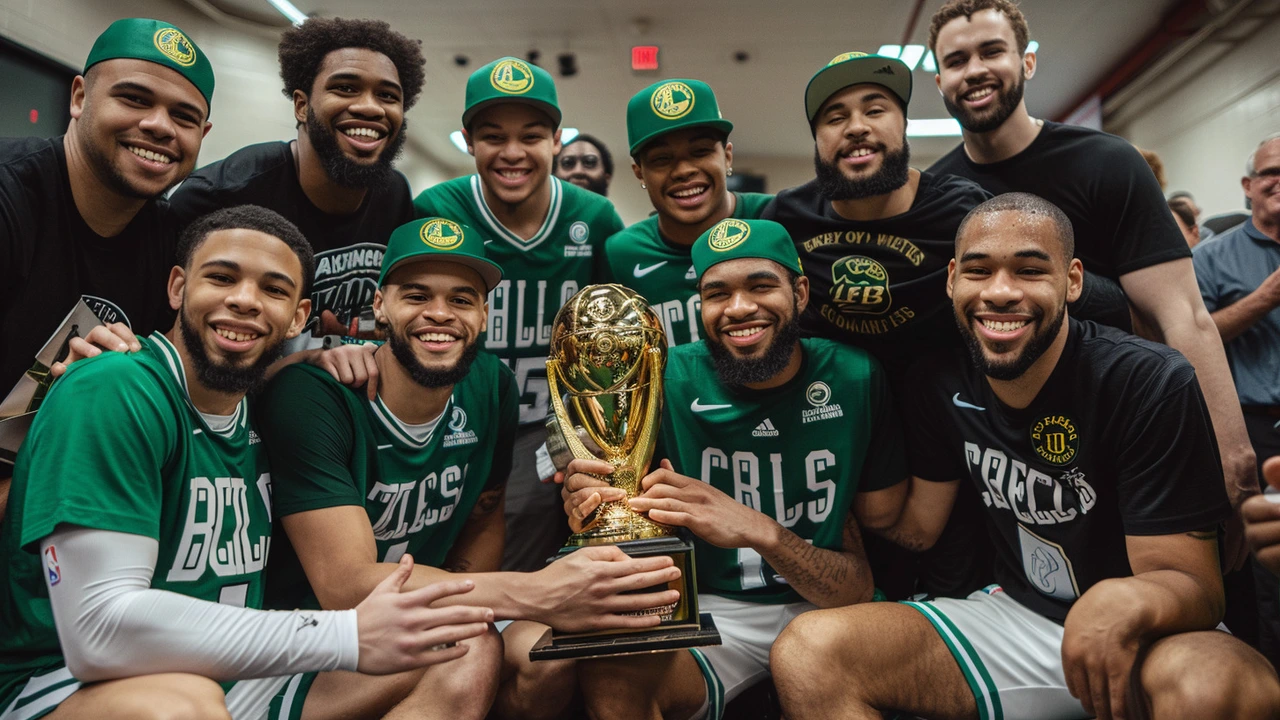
<point x="503" y="330"/>
<point x="816" y="462"/>
<point x="393" y="523"/>
<point x="207" y="518"/>
<point x="746" y="479"/>
<point x="745" y="470"/>
<point x="1012" y="485"/>
<point x="673" y="312"/>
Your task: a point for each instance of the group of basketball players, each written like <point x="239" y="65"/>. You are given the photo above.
<point x="883" y="385"/>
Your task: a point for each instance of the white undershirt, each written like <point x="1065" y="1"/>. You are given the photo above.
<point x="219" y="423"/>
<point x="419" y="433"/>
<point x="111" y="623"/>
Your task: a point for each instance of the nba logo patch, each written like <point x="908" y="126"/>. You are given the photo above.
<point x="51" y="565"/>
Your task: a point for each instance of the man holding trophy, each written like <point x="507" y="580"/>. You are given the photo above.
<point x="767" y="442"/>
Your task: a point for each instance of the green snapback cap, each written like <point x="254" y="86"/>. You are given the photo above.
<point x="855" y="68"/>
<point x="443" y="240"/>
<point x="158" y="42"/>
<point x="511" y="79"/>
<point x="670" y="105"/>
<point x="734" y="239"/>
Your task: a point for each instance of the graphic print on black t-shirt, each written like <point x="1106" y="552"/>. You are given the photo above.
<point x="880" y="284"/>
<point x="1118" y="442"/>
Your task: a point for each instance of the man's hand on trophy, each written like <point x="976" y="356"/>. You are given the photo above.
<point x="115" y="337"/>
<point x="670" y="498"/>
<point x="599" y="588"/>
<point x="583" y="491"/>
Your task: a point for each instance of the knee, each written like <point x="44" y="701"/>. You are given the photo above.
<point x="808" y="649"/>
<point x="478" y="670"/>
<point x="1215" y="676"/>
<point x="186" y="697"/>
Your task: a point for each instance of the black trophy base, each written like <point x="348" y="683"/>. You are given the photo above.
<point x="550" y="647"/>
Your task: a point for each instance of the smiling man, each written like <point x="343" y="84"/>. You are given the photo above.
<point x="133" y="556"/>
<point x="351" y="83"/>
<point x="547" y="235"/>
<point x="80" y="215"/>
<point x="585" y="162"/>
<point x="777" y="449"/>
<point x="1095" y="458"/>
<point x="682" y="156"/>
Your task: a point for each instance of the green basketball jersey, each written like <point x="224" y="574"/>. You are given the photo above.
<point x="335" y="447"/>
<point x="797" y="453"/>
<point x="118" y="446"/>
<point x="660" y="270"/>
<point x="539" y="274"/>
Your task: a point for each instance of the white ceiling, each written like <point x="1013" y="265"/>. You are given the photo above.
<point x="1080" y="41"/>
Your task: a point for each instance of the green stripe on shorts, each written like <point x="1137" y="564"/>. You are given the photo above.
<point x="287" y="704"/>
<point x="715" y="689"/>
<point x="985" y="693"/>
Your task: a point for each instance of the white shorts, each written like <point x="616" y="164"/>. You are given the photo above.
<point x="747" y="630"/>
<point x="276" y="698"/>
<point x="1010" y="656"/>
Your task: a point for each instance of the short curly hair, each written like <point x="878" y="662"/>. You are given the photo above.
<point x="303" y="49"/>
<point x="966" y="8"/>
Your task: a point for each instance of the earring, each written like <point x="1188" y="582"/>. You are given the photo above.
<point x="730" y="172"/>
<point x="642" y="187"/>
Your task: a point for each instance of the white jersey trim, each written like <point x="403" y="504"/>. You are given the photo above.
<point x="544" y="232"/>
<point x="404" y="432"/>
<point x="171" y="357"/>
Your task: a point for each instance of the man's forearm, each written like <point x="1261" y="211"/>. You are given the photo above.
<point x="505" y="592"/>
<point x="1241" y="315"/>
<point x="1170" y="602"/>
<point x="826" y="578"/>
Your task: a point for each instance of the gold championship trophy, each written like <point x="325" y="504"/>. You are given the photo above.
<point x="604" y="372"/>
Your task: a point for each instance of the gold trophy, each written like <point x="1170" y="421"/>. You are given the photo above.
<point x="604" y="372"/>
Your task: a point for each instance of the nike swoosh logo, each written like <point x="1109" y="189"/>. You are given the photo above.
<point x="962" y="404"/>
<point x="642" y="271"/>
<point x="699" y="407"/>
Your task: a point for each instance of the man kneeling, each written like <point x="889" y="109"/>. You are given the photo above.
<point x="1095" y="458"/>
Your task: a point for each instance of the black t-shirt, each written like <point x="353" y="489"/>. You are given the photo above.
<point x="1118" y="442"/>
<point x="49" y="258"/>
<point x="880" y="284"/>
<point x="348" y="248"/>
<point x="1121" y="220"/>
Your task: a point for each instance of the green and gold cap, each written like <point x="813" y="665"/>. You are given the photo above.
<point x="158" y="42"/>
<point x="443" y="240"/>
<point x="734" y="239"/>
<point x="671" y="105"/>
<point x="511" y="79"/>
<point x="855" y="68"/>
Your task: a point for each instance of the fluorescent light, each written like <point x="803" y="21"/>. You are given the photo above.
<point x="933" y="127"/>
<point x="890" y="50"/>
<point x="1033" y="46"/>
<point x="455" y="137"/>
<point x="286" y="8"/>
<point x="911" y="55"/>
<point x="929" y="65"/>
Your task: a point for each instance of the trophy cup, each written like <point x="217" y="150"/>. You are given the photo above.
<point x="604" y="372"/>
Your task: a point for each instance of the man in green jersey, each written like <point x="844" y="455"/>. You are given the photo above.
<point x="547" y="235"/>
<point x="681" y="154"/>
<point x="134" y="548"/>
<point x="421" y="469"/>
<point x="776" y="450"/>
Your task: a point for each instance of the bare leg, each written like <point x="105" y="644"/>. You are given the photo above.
<point x="532" y="690"/>
<point x="1209" y="675"/>
<point x="854" y="662"/>
<point x="456" y="690"/>
<point x="661" y="686"/>
<point x="171" y="696"/>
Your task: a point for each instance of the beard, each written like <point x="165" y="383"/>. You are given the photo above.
<point x="893" y="173"/>
<point x="341" y="168"/>
<point x="402" y="349"/>
<point x="105" y="170"/>
<point x="599" y="186"/>
<point x="734" y="370"/>
<point x="1011" y="369"/>
<point x="223" y="377"/>
<point x="977" y="122"/>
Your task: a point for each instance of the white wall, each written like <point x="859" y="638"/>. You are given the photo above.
<point x="1204" y="130"/>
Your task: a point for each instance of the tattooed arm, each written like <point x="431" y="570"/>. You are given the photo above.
<point x="826" y="578"/>
<point x="479" y="545"/>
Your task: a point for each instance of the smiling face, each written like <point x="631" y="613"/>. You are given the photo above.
<point x="860" y="145"/>
<point x="1010" y="284"/>
<point x="237" y="301"/>
<point x="581" y="163"/>
<point x="514" y="145"/>
<point x="139" y="125"/>
<point x="981" y="72"/>
<point x="354" y="116"/>
<point x="684" y="172"/>
<point x="434" y="312"/>
<point x="750" y="312"/>
<point x="1263" y="187"/>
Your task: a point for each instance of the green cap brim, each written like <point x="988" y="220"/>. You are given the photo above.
<point x="890" y="73"/>
<point x="547" y="108"/>
<point x="722" y="125"/>
<point x="488" y="270"/>
<point x="158" y="42"/>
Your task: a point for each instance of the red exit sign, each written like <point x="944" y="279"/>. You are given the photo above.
<point x="644" y="57"/>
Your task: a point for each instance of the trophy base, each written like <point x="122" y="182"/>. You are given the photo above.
<point x="553" y="647"/>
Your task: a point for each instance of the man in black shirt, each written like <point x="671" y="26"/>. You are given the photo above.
<point x="351" y="82"/>
<point x="1124" y="230"/>
<point x="80" y="216"/>
<point x="1095" y="457"/>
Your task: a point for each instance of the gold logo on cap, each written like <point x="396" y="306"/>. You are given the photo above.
<point x="174" y="45"/>
<point x="672" y="100"/>
<point x="728" y="234"/>
<point x="512" y="77"/>
<point x="845" y="56"/>
<point x="441" y="234"/>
